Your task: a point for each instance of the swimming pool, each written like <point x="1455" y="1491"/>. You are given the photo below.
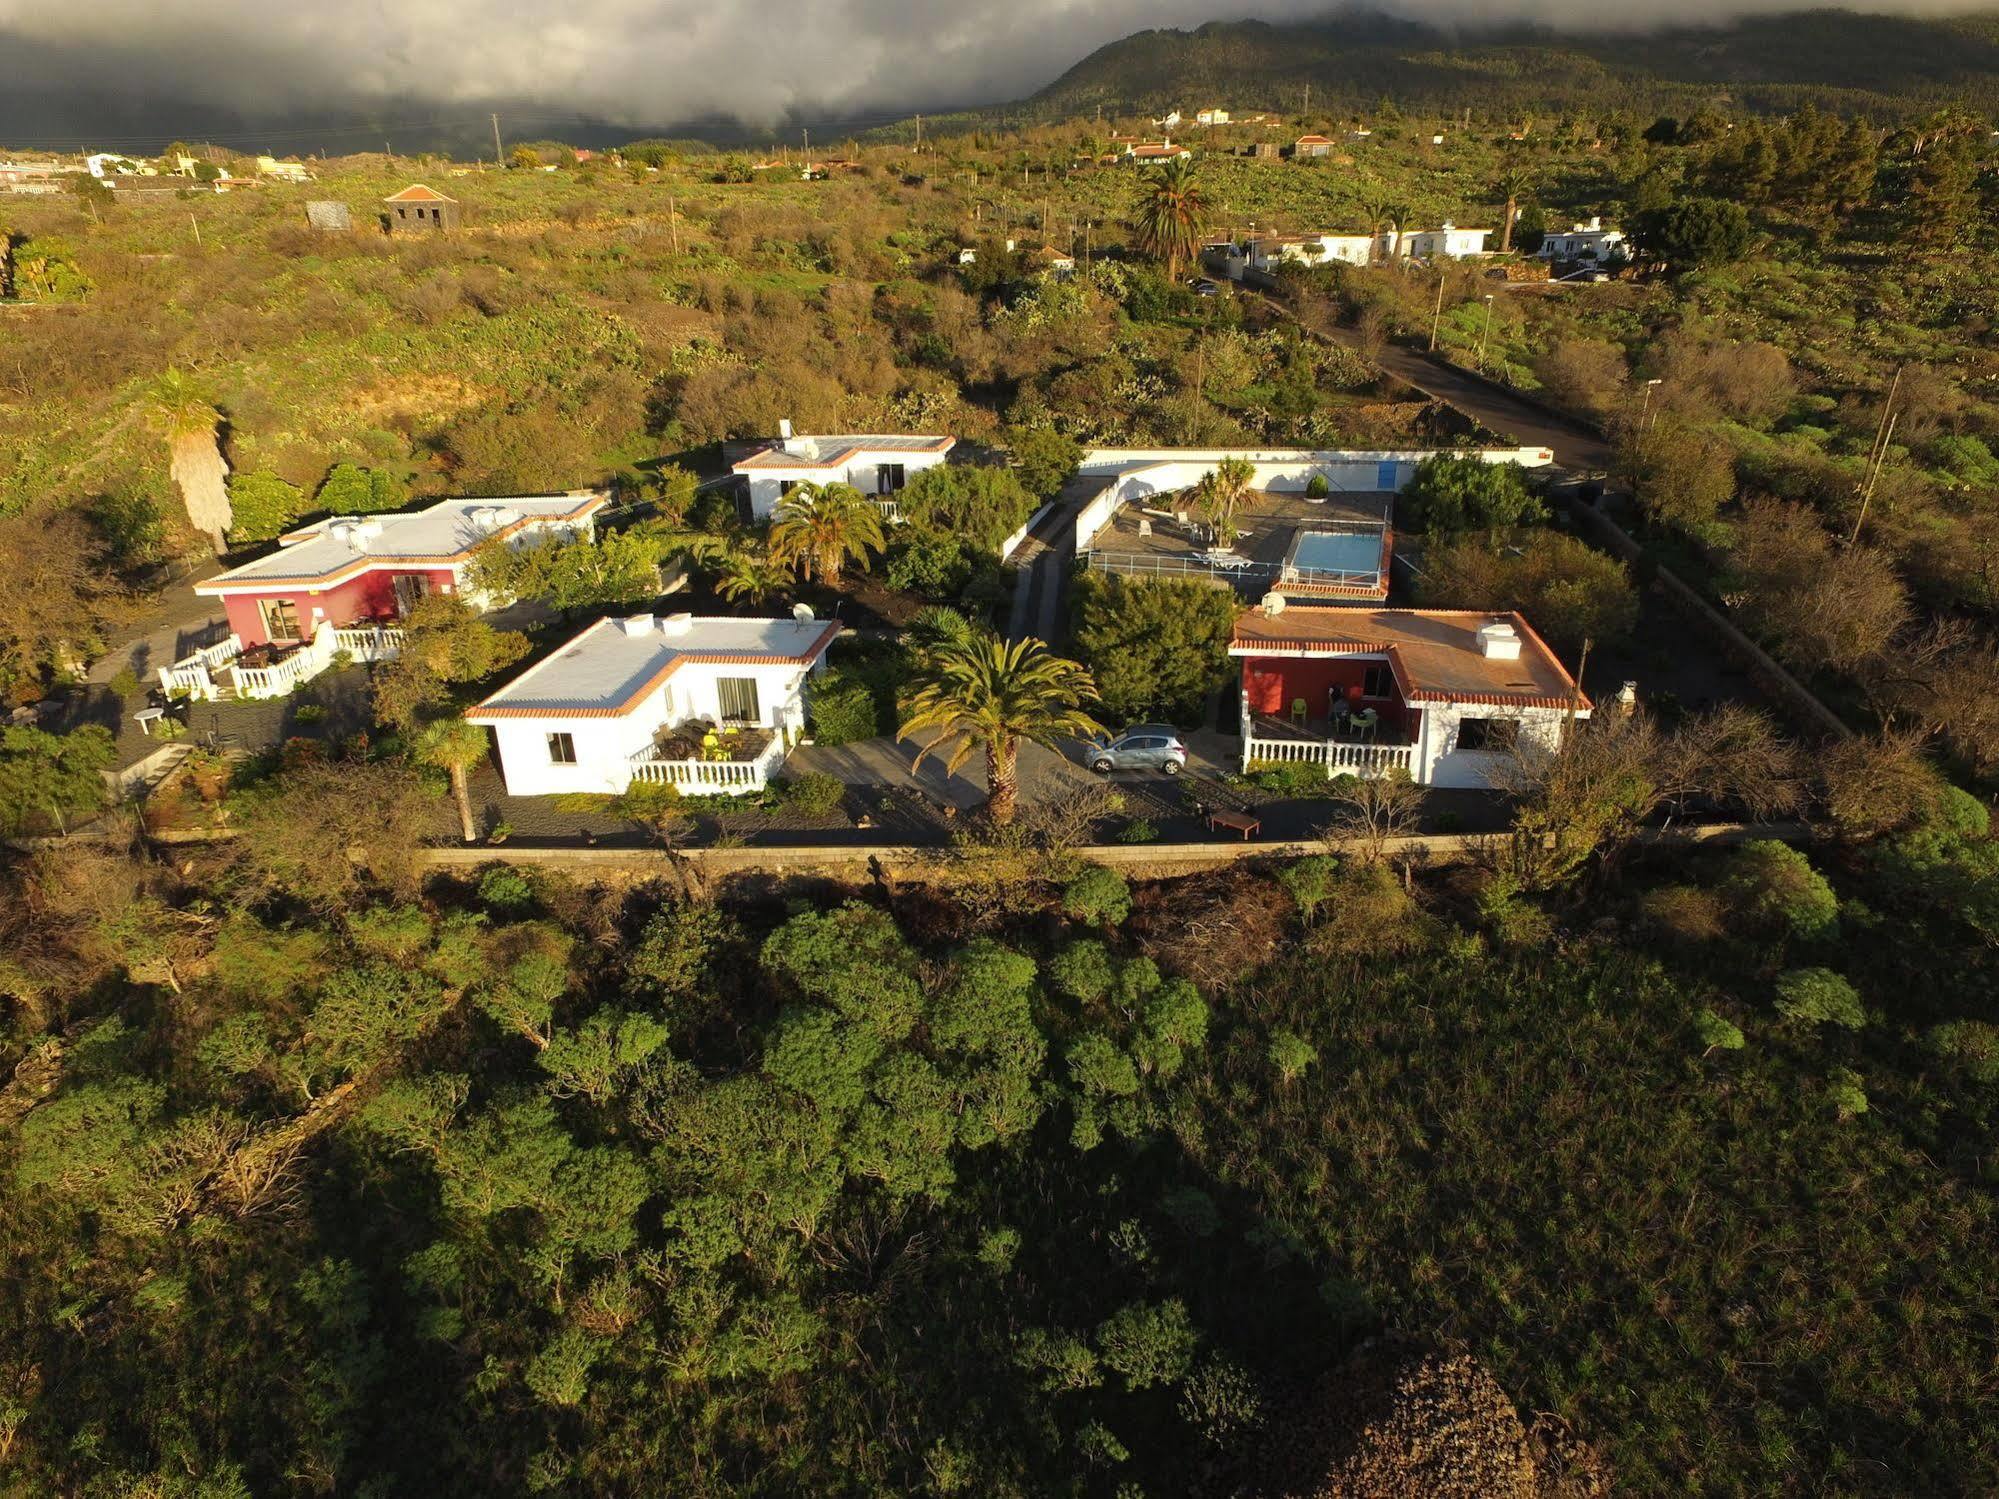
<point x="1355" y="554"/>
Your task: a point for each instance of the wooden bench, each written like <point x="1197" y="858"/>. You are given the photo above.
<point x="1240" y="822"/>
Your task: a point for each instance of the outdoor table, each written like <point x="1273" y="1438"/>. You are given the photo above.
<point x="1241" y="822"/>
<point x="145" y="718"/>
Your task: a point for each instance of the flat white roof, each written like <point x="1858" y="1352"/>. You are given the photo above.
<point x="613" y="666"/>
<point x="446" y="532"/>
<point x="828" y="449"/>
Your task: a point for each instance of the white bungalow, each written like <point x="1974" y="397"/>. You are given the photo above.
<point x="1267" y="252"/>
<point x="1591" y="241"/>
<point x="710" y="705"/>
<point x="1446" y="243"/>
<point x="874" y="463"/>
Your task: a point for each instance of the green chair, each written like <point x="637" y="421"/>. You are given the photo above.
<point x="1366" y="722"/>
<point x="1298" y="712"/>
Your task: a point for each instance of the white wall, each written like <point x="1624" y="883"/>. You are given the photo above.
<point x="766" y="484"/>
<point x="1439" y="762"/>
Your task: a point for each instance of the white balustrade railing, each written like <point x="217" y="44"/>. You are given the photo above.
<point x="891" y="510"/>
<point x="194" y="676"/>
<point x="713" y="777"/>
<point x="282" y="677"/>
<point x="1339" y="756"/>
<point x="369" y="642"/>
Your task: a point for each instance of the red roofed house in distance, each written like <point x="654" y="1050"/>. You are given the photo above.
<point x="1446" y="695"/>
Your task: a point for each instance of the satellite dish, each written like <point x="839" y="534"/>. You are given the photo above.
<point x="1273" y="604"/>
<point x="803" y="613"/>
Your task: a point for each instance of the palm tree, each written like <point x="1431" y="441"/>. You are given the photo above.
<point x="1516" y="183"/>
<point x="750" y="575"/>
<point x="189" y="421"/>
<point x="1169" y="220"/>
<point x="1398" y="219"/>
<point x="817" y="528"/>
<point x="982" y="692"/>
<point x="454" y="746"/>
<point x="1376" y="210"/>
<point x="1220" y="494"/>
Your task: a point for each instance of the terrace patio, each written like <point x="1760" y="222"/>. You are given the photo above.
<point x="1167" y="538"/>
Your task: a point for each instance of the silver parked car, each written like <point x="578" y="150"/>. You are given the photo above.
<point x="1146" y="746"/>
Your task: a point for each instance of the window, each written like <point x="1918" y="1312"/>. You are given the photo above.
<point x="1488" y="734"/>
<point x="280" y="619"/>
<point x="890" y="477"/>
<point x="409" y="588"/>
<point x="738" y="698"/>
<point x="561" y="749"/>
<point x="1377" y="681"/>
<point x="785" y="487"/>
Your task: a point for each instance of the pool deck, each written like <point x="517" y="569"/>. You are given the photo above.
<point x="1271" y="522"/>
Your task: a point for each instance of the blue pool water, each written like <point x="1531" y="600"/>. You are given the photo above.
<point x="1338" y="552"/>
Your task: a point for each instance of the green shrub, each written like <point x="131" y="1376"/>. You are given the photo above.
<point x="1818" y="996"/>
<point x="814" y="794"/>
<point x="1148" y="1345"/>
<point x="1845" y="1092"/>
<point x="842" y="709"/>
<point x="1318" y="487"/>
<point x="1290" y="779"/>
<point x="1098" y="896"/>
<point x="1717" y="1033"/>
<point x="1138" y="830"/>
<point x="505" y="888"/>
<point x="1773" y="888"/>
<point x="928" y="563"/>
<point x="1310" y="881"/>
<point x="1972" y="1045"/>
<point x="261" y="505"/>
<point x="1290" y="1054"/>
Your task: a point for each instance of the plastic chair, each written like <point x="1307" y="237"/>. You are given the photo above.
<point x="1367" y="723"/>
<point x="1298" y="712"/>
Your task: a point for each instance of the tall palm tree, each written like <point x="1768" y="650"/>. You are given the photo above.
<point x="189" y="421"/>
<point x="1375" y="210"/>
<point x="454" y="746"/>
<point x="1220" y="494"/>
<point x="1398" y="215"/>
<point x="1516" y="183"/>
<point x="818" y="527"/>
<point x="984" y="693"/>
<point x="1169" y="220"/>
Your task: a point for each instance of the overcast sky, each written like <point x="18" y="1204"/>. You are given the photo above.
<point x="641" y="62"/>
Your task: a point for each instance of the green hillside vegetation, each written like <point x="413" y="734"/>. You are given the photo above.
<point x="1018" y="1180"/>
<point x="1886" y="66"/>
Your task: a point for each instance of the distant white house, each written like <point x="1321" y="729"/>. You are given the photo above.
<point x="1149" y="151"/>
<point x="1446" y="243"/>
<point x="1312" y="145"/>
<point x="114" y="164"/>
<point x="284" y="171"/>
<point x="1591" y="241"/>
<point x="1267" y="252"/>
<point x="1169" y="121"/>
<point x="1054" y="262"/>
<point x="1211" y="117"/>
<point x="874" y="463"/>
<point x="709" y="705"/>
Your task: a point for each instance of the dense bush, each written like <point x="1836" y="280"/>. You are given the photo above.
<point x="1464" y="493"/>
<point x="1157" y="647"/>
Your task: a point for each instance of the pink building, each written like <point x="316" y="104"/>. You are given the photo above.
<point x="356" y="570"/>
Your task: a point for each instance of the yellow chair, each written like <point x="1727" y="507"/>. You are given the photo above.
<point x="1298" y="712"/>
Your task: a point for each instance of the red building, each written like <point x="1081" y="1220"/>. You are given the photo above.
<point x="1445" y="695"/>
<point x="353" y="570"/>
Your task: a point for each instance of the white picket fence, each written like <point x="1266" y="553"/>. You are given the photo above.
<point x="714" y="777"/>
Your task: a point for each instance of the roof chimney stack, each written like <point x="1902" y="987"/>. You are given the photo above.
<point x="1499" y="641"/>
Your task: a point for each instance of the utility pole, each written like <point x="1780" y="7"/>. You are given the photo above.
<point x="499" y="156"/>
<point x="1308" y="99"/>
<point x="1484" y="332"/>
<point x="919" y="132"/>
<point x="1437" y="316"/>
<point x="1867" y="495"/>
<point x="673" y="223"/>
<point x="808" y="139"/>
<point x="195" y="224"/>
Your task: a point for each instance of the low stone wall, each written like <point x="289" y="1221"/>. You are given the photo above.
<point x="1139" y="861"/>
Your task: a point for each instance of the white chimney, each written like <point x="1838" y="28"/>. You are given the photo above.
<point x="784" y="428"/>
<point x="677" y="624"/>
<point x="1499" y="641"/>
<point x="637" y="624"/>
<point x="1596" y="221"/>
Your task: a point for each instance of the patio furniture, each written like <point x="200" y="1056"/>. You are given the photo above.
<point x="1341" y="714"/>
<point x="1246" y="823"/>
<point x="145" y="718"/>
<point x="1366" y="723"/>
<point x="1298" y="712"/>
